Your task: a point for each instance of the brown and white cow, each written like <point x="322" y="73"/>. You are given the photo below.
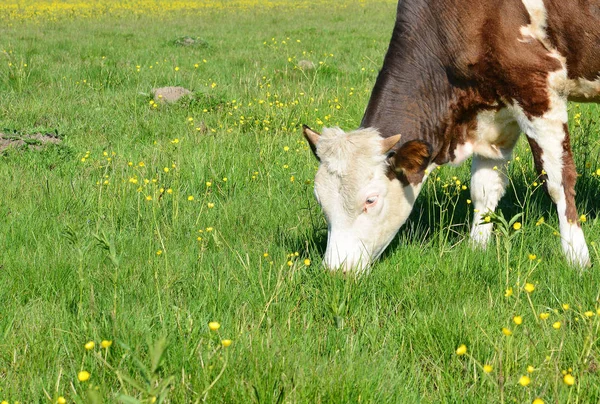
<point x="461" y="78"/>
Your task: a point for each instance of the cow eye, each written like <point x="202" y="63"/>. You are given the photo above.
<point x="371" y="200"/>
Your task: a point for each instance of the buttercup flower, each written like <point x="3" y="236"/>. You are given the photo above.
<point x="83" y="376"/>
<point x="461" y="350"/>
<point x="569" y="379"/>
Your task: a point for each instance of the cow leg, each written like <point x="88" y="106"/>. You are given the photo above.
<point x="488" y="169"/>
<point x="554" y="162"/>
<point x="548" y="136"/>
<point x="488" y="183"/>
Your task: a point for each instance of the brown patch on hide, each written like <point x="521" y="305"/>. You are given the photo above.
<point x="569" y="177"/>
<point x="515" y="68"/>
<point x="574" y="29"/>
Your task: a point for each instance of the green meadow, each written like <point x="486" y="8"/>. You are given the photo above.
<point x="145" y="221"/>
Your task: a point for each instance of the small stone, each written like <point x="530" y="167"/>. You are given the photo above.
<point x="170" y="94"/>
<point x="306" y="65"/>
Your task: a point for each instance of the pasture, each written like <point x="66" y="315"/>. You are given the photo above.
<point x="147" y="221"/>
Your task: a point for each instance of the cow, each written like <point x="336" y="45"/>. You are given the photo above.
<point x="461" y="78"/>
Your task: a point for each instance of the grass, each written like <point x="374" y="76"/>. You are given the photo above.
<point x="149" y="221"/>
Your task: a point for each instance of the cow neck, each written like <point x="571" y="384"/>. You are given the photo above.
<point x="412" y="95"/>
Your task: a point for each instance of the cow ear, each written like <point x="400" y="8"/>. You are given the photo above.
<point x="389" y="142"/>
<point x="313" y="138"/>
<point x="411" y="158"/>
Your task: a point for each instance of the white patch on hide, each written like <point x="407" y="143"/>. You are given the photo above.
<point x="496" y="134"/>
<point x="538" y="26"/>
<point x="584" y="89"/>
<point x="462" y="153"/>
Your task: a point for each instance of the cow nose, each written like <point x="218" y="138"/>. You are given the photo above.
<point x="346" y="264"/>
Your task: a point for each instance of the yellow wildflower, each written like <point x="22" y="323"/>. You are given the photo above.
<point x="214" y="326"/>
<point x="487" y="368"/>
<point x="518" y="320"/>
<point x="556" y="325"/>
<point x="529" y="287"/>
<point x="461" y="350"/>
<point x="506" y="331"/>
<point x="569" y="379"/>
<point x="106" y="344"/>
<point x="83" y="376"/>
<point x="517" y="226"/>
<point x="524" y="381"/>
<point x="225" y="343"/>
<point x="544" y="316"/>
<point x="89" y="345"/>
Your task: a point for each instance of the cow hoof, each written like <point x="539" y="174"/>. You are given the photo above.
<point x="480" y="235"/>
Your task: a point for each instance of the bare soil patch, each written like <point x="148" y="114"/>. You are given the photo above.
<point x="34" y="141"/>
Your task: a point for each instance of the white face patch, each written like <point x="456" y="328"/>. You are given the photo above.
<point x="364" y="208"/>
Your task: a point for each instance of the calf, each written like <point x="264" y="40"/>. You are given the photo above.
<point x="461" y="78"/>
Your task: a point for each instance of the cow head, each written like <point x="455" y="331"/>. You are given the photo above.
<point x="357" y="186"/>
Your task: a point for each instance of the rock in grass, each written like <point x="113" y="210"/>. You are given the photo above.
<point x="190" y="41"/>
<point x="306" y="65"/>
<point x="170" y="94"/>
